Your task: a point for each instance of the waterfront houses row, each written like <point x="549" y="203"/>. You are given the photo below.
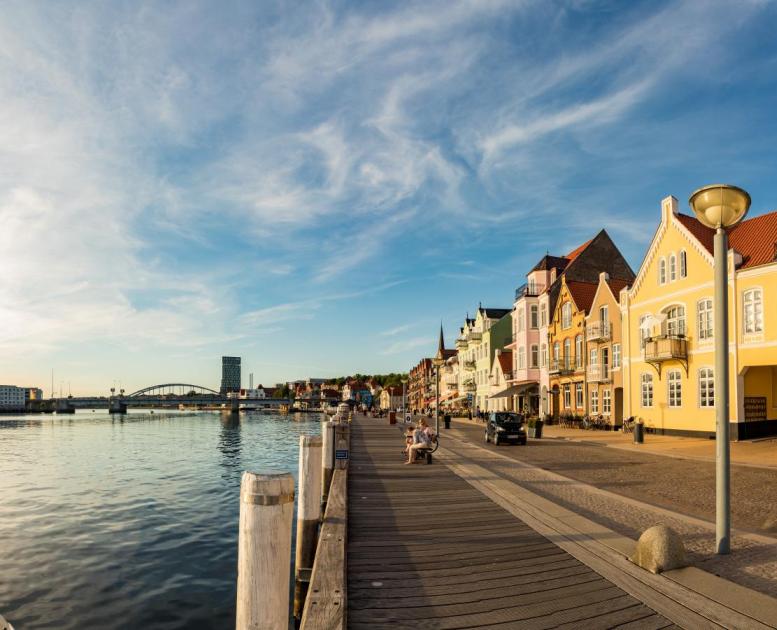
<point x="588" y="336"/>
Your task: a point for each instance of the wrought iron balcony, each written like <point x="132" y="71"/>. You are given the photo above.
<point x="663" y="348"/>
<point x="563" y="365"/>
<point x="598" y="331"/>
<point x="529" y="290"/>
<point x="598" y="373"/>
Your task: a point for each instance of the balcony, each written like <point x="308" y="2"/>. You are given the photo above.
<point x="598" y="373"/>
<point x="469" y="365"/>
<point x="475" y="336"/>
<point x="663" y="348"/>
<point x="461" y="344"/>
<point x="563" y="365"/>
<point x="529" y="290"/>
<point x="598" y="331"/>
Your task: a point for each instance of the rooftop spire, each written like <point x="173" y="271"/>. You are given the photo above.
<point x="441" y="345"/>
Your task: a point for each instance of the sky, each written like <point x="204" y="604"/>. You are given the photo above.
<point x="317" y="186"/>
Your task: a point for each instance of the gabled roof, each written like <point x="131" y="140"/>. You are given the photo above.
<point x="755" y="239"/>
<point x="495" y="313"/>
<point x="550" y="262"/>
<point x="583" y="293"/>
<point x="577" y="251"/>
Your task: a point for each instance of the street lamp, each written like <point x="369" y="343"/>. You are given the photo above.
<point x="404" y="398"/>
<point x="438" y="363"/>
<point x="720" y="207"/>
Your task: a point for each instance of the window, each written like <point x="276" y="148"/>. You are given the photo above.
<point x="534" y="356"/>
<point x="594" y="401"/>
<point x="593" y="356"/>
<point x="706" y="387"/>
<point x="683" y="264"/>
<point x="603" y="315"/>
<point x="533" y="315"/>
<point x="579" y="351"/>
<point x="753" y="308"/>
<point x="556" y="352"/>
<point x="662" y="271"/>
<point x="606" y="402"/>
<point x="521" y="314"/>
<point x="616" y="355"/>
<point x="646" y="382"/>
<point x="675" y="320"/>
<point x="544" y="356"/>
<point x="579" y="395"/>
<point x="605" y="362"/>
<point x="675" y="388"/>
<point x="521" y="358"/>
<point x="644" y="330"/>
<point x="672" y="268"/>
<point x="567" y="353"/>
<point x="704" y="319"/>
<point x="566" y="315"/>
<point x="567" y="396"/>
<point x="543" y="315"/>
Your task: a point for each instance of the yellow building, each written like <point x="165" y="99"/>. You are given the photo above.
<point x="604" y="373"/>
<point x="668" y="345"/>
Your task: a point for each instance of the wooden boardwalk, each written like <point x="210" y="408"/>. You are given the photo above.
<point x="427" y="550"/>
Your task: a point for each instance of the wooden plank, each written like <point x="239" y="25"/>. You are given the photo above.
<point x="325" y="607"/>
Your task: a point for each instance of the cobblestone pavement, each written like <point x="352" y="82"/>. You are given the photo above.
<point x="681" y="486"/>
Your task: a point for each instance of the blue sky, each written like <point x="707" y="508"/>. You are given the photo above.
<point x="315" y="186"/>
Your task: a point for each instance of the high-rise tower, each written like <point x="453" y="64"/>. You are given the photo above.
<point x="230" y="375"/>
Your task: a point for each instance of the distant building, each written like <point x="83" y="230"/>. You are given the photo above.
<point x="391" y="397"/>
<point x="230" y="374"/>
<point x="32" y="393"/>
<point x="11" y="398"/>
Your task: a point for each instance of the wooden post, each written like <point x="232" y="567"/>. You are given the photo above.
<point x="342" y="443"/>
<point x="264" y="550"/>
<point x="327" y="458"/>
<point x="308" y="516"/>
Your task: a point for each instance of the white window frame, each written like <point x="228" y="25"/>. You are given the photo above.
<point x="644" y="333"/>
<point x="752" y="312"/>
<point x="521" y="318"/>
<point x="706" y="379"/>
<point x="606" y="402"/>
<point x="521" y="358"/>
<point x="535" y="356"/>
<point x="594" y="401"/>
<point x="674" y="388"/>
<point x="672" y="267"/>
<point x="534" y="317"/>
<point x="544" y="355"/>
<point x="593" y="356"/>
<point x="567" y="353"/>
<point x="579" y="401"/>
<point x="676" y="324"/>
<point x="579" y="351"/>
<point x="683" y="264"/>
<point x="662" y="270"/>
<point x="543" y="315"/>
<point x="566" y="315"/>
<point x="616" y="355"/>
<point x="567" y="396"/>
<point x="646" y="390"/>
<point x="705" y="322"/>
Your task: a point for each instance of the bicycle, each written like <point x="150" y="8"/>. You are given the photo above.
<point x="628" y="425"/>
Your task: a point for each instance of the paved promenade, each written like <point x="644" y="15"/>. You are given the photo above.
<point x="629" y="490"/>
<point x="428" y="550"/>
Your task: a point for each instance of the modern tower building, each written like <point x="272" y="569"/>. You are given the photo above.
<point x="230" y="375"/>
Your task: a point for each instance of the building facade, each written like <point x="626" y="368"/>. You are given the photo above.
<point x="501" y="374"/>
<point x="604" y="351"/>
<point x="11" y="398"/>
<point x="418" y="385"/>
<point x="668" y="344"/>
<point x="230" y="375"/>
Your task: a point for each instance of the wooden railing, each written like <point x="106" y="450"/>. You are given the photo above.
<point x="666" y="348"/>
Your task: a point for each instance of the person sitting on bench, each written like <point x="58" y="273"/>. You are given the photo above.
<point x="421" y="440"/>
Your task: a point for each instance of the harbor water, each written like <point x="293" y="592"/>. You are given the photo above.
<point x="130" y="521"/>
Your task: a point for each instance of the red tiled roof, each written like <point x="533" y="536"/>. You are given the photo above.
<point x="755" y="239"/>
<point x="616" y="284"/>
<point x="576" y="252"/>
<point x="506" y="360"/>
<point x="583" y="293"/>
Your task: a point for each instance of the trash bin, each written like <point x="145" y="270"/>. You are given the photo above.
<point x="639" y="432"/>
<point x="392" y="417"/>
<point x="447" y="420"/>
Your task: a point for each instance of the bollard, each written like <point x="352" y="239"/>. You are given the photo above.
<point x="639" y="432"/>
<point x="327" y="458"/>
<point x="264" y="549"/>
<point x="342" y="440"/>
<point x="308" y="516"/>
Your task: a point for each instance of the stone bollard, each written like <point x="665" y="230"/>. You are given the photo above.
<point x="659" y="549"/>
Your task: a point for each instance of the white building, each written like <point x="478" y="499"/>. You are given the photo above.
<point x="11" y="398"/>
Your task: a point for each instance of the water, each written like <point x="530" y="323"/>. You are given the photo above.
<point x="130" y="522"/>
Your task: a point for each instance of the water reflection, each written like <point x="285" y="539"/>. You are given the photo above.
<point x="230" y="444"/>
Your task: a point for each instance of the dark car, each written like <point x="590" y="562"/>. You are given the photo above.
<point x="504" y="426"/>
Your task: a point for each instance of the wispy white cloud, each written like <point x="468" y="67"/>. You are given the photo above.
<point x="398" y="347"/>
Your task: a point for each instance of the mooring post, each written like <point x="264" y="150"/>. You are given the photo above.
<point x="327" y="458"/>
<point x="308" y="516"/>
<point x="264" y="549"/>
<point x="342" y="441"/>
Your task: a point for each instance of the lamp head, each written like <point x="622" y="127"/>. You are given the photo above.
<point x="438" y="361"/>
<point x="720" y="205"/>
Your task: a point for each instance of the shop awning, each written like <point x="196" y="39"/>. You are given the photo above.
<point x="515" y="390"/>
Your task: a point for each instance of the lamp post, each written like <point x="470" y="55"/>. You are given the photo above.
<point x="438" y="363"/>
<point x="404" y="398"/>
<point x="720" y="207"/>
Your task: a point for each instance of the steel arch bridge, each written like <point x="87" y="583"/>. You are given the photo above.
<point x="179" y="389"/>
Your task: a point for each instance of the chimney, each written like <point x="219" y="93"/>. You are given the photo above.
<point x="604" y="277"/>
<point x="669" y="207"/>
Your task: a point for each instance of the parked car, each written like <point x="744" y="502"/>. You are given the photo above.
<point x="505" y="426"/>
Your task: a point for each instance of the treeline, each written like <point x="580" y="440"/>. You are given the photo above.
<point x="384" y="380"/>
